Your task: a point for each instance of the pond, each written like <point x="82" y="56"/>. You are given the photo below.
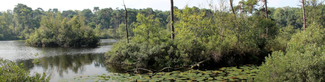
<point x="60" y="63"/>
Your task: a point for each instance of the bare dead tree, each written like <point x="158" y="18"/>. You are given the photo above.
<point x="303" y="11"/>
<point x="126" y="23"/>
<point x="266" y="16"/>
<point x="172" y="19"/>
<point x="265" y="4"/>
<point x="232" y="7"/>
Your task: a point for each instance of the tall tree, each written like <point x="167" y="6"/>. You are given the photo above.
<point x="126" y="23"/>
<point x="172" y="19"/>
<point x="22" y="17"/>
<point x="266" y="15"/>
<point x="247" y="6"/>
<point x="232" y="8"/>
<point x="96" y="9"/>
<point x="265" y="4"/>
<point x="55" y="10"/>
<point x="303" y="11"/>
<point x="88" y="14"/>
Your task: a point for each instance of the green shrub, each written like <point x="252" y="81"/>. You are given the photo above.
<point x="170" y="53"/>
<point x="303" y="61"/>
<point x="281" y="40"/>
<point x="10" y="72"/>
<point x="294" y="66"/>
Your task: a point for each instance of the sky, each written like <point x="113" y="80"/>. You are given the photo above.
<point x="155" y="4"/>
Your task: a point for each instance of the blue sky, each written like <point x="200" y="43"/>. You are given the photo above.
<point x="155" y="4"/>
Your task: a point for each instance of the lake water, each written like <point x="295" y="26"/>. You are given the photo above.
<point x="60" y="63"/>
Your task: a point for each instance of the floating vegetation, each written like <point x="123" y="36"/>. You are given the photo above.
<point x="224" y="74"/>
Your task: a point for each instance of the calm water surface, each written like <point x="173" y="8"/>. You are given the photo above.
<point x="60" y="63"/>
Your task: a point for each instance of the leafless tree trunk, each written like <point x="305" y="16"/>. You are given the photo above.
<point x="233" y="12"/>
<point x="232" y="8"/>
<point x="235" y="20"/>
<point x="303" y="11"/>
<point x="172" y="19"/>
<point x="266" y="16"/>
<point x="265" y="4"/>
<point x="126" y="23"/>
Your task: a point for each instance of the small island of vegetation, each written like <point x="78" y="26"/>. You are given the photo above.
<point x="56" y="31"/>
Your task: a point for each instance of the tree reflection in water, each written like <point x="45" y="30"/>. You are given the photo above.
<point x="63" y="63"/>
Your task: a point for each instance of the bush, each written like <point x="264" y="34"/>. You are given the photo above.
<point x="10" y="72"/>
<point x="159" y="55"/>
<point x="304" y="59"/>
<point x="281" y="40"/>
<point x="294" y="66"/>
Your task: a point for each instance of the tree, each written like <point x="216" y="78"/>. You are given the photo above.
<point x="126" y="23"/>
<point x="172" y="19"/>
<point x="247" y="6"/>
<point x="232" y="8"/>
<point x="303" y="11"/>
<point x="22" y="18"/>
<point x="55" y="10"/>
<point x="280" y="17"/>
<point x="266" y="15"/>
<point x="265" y="4"/>
<point x="87" y="13"/>
<point x="96" y="9"/>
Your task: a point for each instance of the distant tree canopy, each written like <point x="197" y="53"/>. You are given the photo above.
<point x="22" y="21"/>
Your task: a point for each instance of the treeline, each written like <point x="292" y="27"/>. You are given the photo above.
<point x="20" y="22"/>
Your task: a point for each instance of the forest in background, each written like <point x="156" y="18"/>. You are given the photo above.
<point x="20" y="22"/>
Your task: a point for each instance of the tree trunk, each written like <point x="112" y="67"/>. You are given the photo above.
<point x="265" y="3"/>
<point x="172" y="19"/>
<point x="237" y="28"/>
<point x="266" y="16"/>
<point x="303" y="11"/>
<point x="126" y="23"/>
<point x="232" y="8"/>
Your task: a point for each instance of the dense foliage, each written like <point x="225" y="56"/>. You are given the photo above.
<point x="63" y="32"/>
<point x="303" y="60"/>
<point x="224" y="38"/>
<point x="199" y="37"/>
<point x="10" y="72"/>
<point x="21" y="22"/>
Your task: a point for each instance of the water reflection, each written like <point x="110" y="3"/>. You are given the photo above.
<point x="64" y="63"/>
<point x="58" y="62"/>
<point x="16" y="50"/>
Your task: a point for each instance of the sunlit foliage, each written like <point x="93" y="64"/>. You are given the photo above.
<point x="10" y="72"/>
